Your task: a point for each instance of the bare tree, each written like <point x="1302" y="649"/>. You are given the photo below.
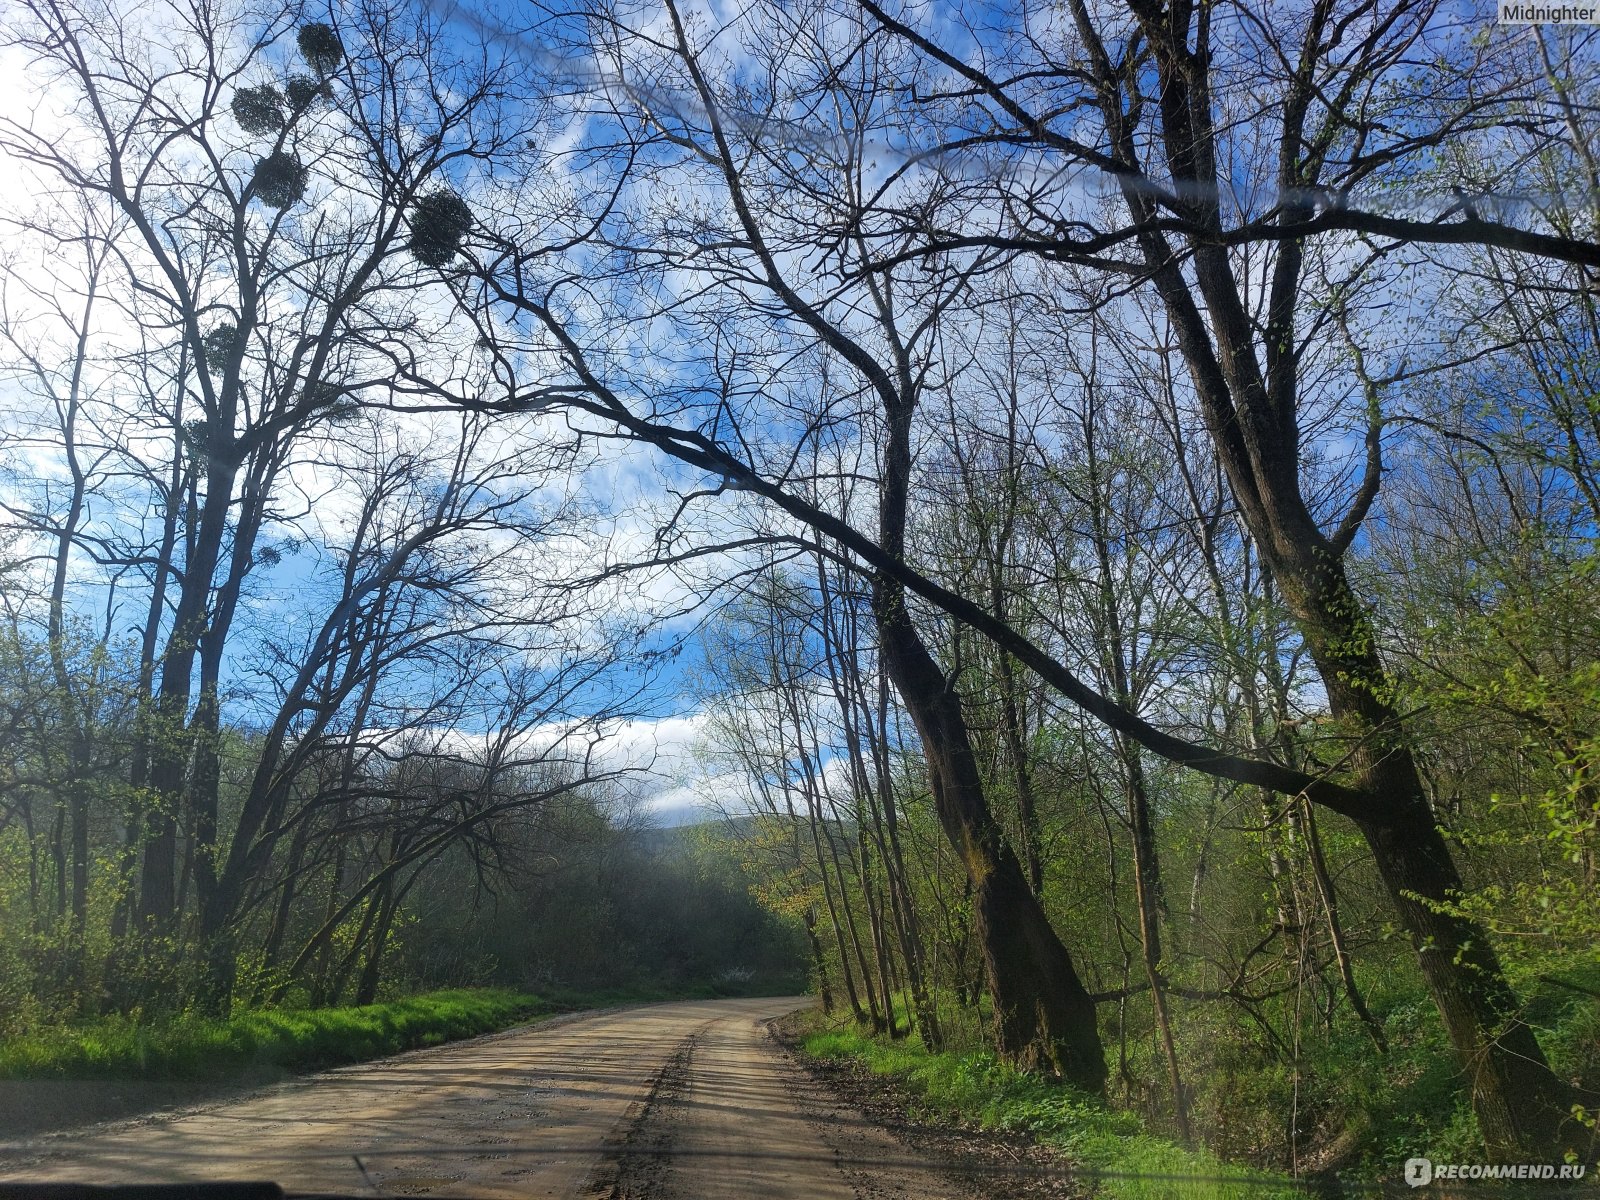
<point x="266" y="234"/>
<point x="880" y="333"/>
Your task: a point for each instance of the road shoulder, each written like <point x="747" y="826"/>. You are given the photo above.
<point x="999" y="1163"/>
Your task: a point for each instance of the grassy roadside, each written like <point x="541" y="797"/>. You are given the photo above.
<point x="275" y="1041"/>
<point x="196" y="1048"/>
<point x="1113" y="1148"/>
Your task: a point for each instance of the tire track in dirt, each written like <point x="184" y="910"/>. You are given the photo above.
<point x="733" y="1114"/>
<point x="638" y="1163"/>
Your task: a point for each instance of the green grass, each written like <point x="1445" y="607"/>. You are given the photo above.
<point x="275" y="1039"/>
<point x="1112" y="1148"/>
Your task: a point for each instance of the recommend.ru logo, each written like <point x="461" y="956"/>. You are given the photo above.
<point x="1423" y="1171"/>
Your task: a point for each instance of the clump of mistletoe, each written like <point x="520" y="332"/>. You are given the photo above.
<point x="258" y="109"/>
<point x="321" y="48"/>
<point x="280" y="177"/>
<point x="439" y="222"/>
<point x="218" y="347"/>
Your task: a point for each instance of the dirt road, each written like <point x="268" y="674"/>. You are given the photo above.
<point x="672" y="1100"/>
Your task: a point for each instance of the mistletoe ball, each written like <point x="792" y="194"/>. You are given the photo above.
<point x="304" y="91"/>
<point x="321" y="48"/>
<point x="259" y="109"/>
<point x="218" y="346"/>
<point x="439" y="222"/>
<point x="280" y="180"/>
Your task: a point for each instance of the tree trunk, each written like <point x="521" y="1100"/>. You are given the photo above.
<point x="1519" y="1102"/>
<point x="170" y="754"/>
<point x="818" y="962"/>
<point x="1330" y="910"/>
<point x="1011" y="726"/>
<point x="283" y="911"/>
<point x="874" y="1013"/>
<point x="1147" y="893"/>
<point x="139" y="766"/>
<point x="371" y="970"/>
<point x="1249" y="392"/>
<point x="1044" y="1019"/>
<point x="866" y="738"/>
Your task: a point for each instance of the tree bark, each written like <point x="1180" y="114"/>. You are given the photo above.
<point x="169" y="758"/>
<point x="818" y="962"/>
<point x="1044" y="1018"/>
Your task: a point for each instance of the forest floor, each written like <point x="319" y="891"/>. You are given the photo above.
<point x="693" y="1099"/>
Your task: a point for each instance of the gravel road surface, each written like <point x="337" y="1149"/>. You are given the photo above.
<point x="682" y="1100"/>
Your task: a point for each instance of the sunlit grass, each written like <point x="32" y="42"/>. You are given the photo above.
<point x="1111" y="1149"/>
<point x="193" y="1047"/>
<point x="290" y="1039"/>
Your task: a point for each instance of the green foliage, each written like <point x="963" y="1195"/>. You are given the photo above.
<point x="258" y="110"/>
<point x="1510" y="672"/>
<point x="652" y="913"/>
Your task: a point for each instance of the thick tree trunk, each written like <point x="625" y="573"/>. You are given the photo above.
<point x="169" y="756"/>
<point x="1044" y="1019"/>
<point x="1518" y="1100"/>
<point x="1520" y="1103"/>
<point x="1249" y="391"/>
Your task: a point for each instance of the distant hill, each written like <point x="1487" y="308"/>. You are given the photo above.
<point x="683" y="836"/>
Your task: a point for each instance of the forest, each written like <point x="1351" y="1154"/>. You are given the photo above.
<point x="1113" y="487"/>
